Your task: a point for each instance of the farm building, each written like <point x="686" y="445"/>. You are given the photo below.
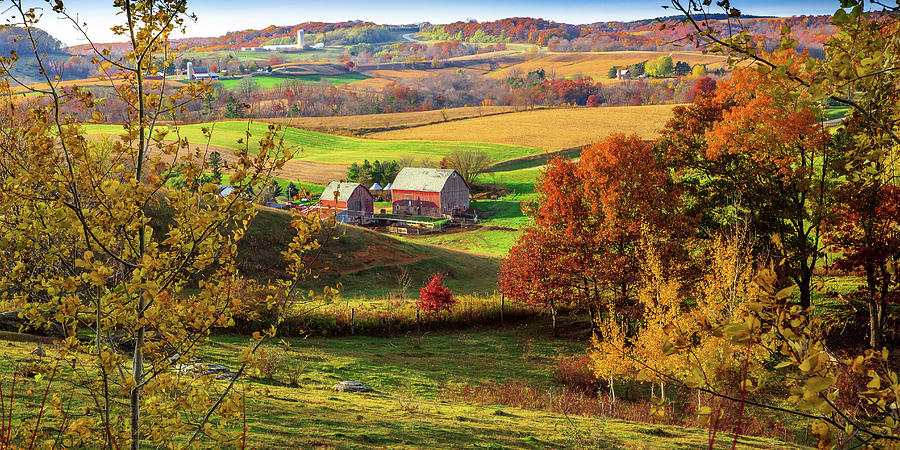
<point x="429" y="192"/>
<point x="199" y="73"/>
<point x="354" y="203"/>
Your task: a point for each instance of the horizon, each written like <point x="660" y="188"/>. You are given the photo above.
<point x="212" y="15"/>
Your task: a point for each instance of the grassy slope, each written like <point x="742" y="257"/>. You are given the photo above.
<point x="321" y="147"/>
<point x="489" y="241"/>
<point x="368" y="261"/>
<point x="407" y="410"/>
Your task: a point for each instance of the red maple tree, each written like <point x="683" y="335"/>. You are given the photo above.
<point x="435" y="297"/>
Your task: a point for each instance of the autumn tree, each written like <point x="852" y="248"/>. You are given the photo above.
<point x="865" y="232"/>
<point x="589" y="219"/>
<point x="698" y="71"/>
<point x="435" y="297"/>
<point x="82" y="249"/>
<point x="767" y="156"/>
<point x="531" y="273"/>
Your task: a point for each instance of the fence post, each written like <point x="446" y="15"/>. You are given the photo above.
<point x="352" y="321"/>
<point x="418" y="326"/>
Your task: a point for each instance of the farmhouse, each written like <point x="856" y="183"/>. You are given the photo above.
<point x="199" y="73"/>
<point x="354" y="203"/>
<point x="429" y="193"/>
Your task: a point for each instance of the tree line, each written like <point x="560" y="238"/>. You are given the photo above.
<point x="703" y="258"/>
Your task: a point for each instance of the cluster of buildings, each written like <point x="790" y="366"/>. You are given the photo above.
<point x="422" y="192"/>
<point x="279" y="48"/>
<point x="199" y="73"/>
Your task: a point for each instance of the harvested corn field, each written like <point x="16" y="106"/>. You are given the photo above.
<point x="549" y="129"/>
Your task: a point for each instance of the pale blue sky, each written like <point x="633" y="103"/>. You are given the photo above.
<point x="216" y="17"/>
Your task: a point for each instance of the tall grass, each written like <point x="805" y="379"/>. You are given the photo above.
<point x="387" y="317"/>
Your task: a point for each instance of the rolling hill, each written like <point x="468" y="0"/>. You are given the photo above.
<point x="597" y="65"/>
<point x="366" y="263"/>
<point x="368" y="123"/>
<point x="571" y="127"/>
<point x="326" y="148"/>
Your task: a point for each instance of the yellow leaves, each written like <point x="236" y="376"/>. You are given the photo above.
<point x="738" y="332"/>
<point x="810" y="364"/>
<point x="823" y="431"/>
<point x="785" y="293"/>
<point x="818" y="384"/>
<point x="657" y="408"/>
<point x="875" y="380"/>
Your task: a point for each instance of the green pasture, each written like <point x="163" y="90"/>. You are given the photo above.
<point x="274" y="81"/>
<point x="836" y="113"/>
<point x="409" y="407"/>
<point x="313" y="146"/>
<point x="494" y="242"/>
<point x="327" y="54"/>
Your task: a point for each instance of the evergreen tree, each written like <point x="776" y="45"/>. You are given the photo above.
<point x="292" y="190"/>
<point x="215" y="164"/>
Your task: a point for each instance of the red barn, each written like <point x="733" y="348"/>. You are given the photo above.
<point x="353" y="201"/>
<point x="429" y="192"/>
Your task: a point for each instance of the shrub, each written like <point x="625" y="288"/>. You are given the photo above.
<point x="266" y="363"/>
<point x="435" y="297"/>
<point x="576" y="373"/>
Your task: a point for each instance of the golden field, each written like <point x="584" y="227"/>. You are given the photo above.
<point x="87" y="82"/>
<point x="571" y="127"/>
<point x="597" y="65"/>
<point x="363" y="123"/>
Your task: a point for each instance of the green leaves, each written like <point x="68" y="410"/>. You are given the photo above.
<point x="840" y="17"/>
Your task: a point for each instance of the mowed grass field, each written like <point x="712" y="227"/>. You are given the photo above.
<point x="488" y="241"/>
<point x="548" y="129"/>
<point x="597" y="65"/>
<point x="327" y="148"/>
<point x="367" y="122"/>
<point x="274" y="81"/>
<point x="409" y="407"/>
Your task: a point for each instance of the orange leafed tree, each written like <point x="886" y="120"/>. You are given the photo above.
<point x="589" y="220"/>
<point x="755" y="148"/>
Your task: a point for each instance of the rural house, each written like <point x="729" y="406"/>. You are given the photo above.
<point x="429" y="192"/>
<point x="354" y="203"/>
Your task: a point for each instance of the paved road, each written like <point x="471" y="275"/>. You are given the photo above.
<point x="408" y="37"/>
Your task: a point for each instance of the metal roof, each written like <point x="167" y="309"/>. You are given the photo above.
<point x="388" y="187"/>
<point x="376" y="187"/>
<point x="345" y="190"/>
<point x="421" y="179"/>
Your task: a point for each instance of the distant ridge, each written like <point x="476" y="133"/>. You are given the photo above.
<point x="811" y="31"/>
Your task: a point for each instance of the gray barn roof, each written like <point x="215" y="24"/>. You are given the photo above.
<point x="418" y="179"/>
<point x="344" y="189"/>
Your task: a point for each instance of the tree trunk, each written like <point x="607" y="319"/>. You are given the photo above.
<point x="874" y="310"/>
<point x="874" y="325"/>
<point x="553" y="318"/>
<point x="805" y="287"/>
<point x="612" y="392"/>
<point x="593" y="315"/>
